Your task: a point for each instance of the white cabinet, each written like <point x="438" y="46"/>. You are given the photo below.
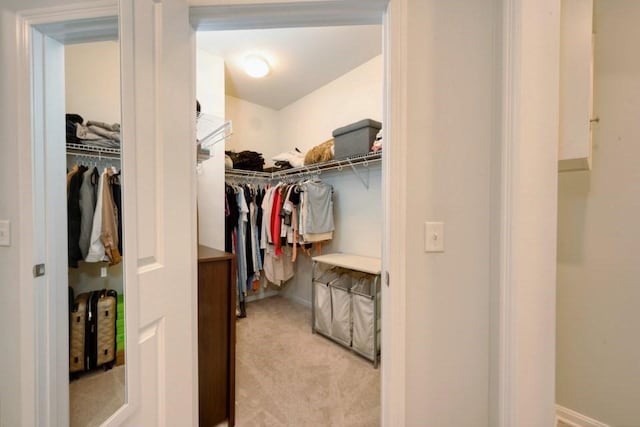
<point x="346" y="302"/>
<point x="576" y="85"/>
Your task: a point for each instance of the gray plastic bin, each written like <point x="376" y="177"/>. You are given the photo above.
<point x="355" y="139"/>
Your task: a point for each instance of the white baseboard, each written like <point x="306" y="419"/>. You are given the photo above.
<point x="298" y="300"/>
<point x="262" y="295"/>
<point x="575" y="419"/>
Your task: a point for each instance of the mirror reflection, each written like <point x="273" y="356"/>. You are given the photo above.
<point x="94" y="232"/>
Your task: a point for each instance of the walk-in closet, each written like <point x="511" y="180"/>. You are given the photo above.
<point x="94" y="231"/>
<point x="290" y="148"/>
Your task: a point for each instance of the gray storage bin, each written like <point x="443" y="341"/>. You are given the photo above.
<point x="364" y="313"/>
<point x="355" y="139"/>
<point x="322" y="302"/>
<point x="341" y="309"/>
<point x="363" y="324"/>
<point x="322" y="308"/>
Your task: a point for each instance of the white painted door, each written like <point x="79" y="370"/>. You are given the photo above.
<point x="158" y="163"/>
<point x="158" y="160"/>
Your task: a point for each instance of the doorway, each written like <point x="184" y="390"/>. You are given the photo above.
<point x="322" y="78"/>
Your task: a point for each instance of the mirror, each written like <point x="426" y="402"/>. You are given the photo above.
<point x="92" y="107"/>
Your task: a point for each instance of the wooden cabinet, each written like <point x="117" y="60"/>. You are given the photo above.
<point x="216" y="336"/>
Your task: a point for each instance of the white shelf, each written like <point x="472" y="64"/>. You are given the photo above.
<point x="94" y="152"/>
<point x="364" y="264"/>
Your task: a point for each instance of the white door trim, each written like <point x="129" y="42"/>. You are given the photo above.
<point x="509" y="99"/>
<point x="576" y="419"/>
<point x="528" y="89"/>
<point x="394" y="189"/>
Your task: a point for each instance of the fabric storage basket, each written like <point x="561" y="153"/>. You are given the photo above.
<point x="322" y="302"/>
<point x="363" y="315"/>
<point x="341" y="309"/>
<point x="355" y="139"/>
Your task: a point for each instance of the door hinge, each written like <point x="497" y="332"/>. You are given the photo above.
<point x="386" y="277"/>
<point x="38" y="270"/>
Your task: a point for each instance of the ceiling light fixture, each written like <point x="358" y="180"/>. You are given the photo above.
<point x="256" y="66"/>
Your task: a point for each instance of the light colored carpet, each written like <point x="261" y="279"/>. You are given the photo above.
<point x="286" y="376"/>
<point x="95" y="396"/>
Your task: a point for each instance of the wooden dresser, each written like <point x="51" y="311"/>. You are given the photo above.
<point x="216" y="336"/>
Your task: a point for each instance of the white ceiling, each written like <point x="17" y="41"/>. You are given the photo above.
<point x="301" y="59"/>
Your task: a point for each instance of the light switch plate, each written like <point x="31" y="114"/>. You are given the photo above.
<point x="5" y="233"/>
<point x="434" y="236"/>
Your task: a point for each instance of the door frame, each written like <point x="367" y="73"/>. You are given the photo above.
<point x="49" y="390"/>
<point x="389" y="14"/>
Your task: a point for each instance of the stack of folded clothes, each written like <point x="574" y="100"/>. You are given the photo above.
<point x="92" y="133"/>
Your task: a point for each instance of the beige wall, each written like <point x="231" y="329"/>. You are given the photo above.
<point x="449" y="145"/>
<point x="92" y="80"/>
<point x="598" y="347"/>
<point x="255" y="128"/>
<point x="354" y="96"/>
<point x="210" y="93"/>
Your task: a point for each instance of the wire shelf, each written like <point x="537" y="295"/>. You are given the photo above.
<point x="93" y="152"/>
<point x="80" y="149"/>
<point x="314" y="169"/>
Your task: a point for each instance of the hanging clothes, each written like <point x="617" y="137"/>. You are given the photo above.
<point x="87" y="208"/>
<point x="105" y="237"/>
<point x="74" y="214"/>
<point x="109" y="231"/>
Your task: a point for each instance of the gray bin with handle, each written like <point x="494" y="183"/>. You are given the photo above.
<point x="341" y="309"/>
<point x="355" y="139"/>
<point x="365" y="326"/>
<point x="322" y="301"/>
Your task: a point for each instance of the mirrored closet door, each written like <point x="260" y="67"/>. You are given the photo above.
<point x="94" y="208"/>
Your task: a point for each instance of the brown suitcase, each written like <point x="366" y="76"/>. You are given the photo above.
<point x="93" y="331"/>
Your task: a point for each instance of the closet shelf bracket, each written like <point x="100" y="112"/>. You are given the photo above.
<point x="360" y="177"/>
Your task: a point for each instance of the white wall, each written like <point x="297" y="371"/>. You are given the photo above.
<point x="92" y="80"/>
<point x="598" y="245"/>
<point x="449" y="143"/>
<point x="13" y="391"/>
<point x="210" y="93"/>
<point x="255" y="128"/>
<point x="351" y="97"/>
<point x="88" y="278"/>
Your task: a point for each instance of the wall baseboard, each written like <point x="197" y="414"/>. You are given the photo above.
<point x="262" y="295"/>
<point x="299" y="300"/>
<point x="575" y="419"/>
